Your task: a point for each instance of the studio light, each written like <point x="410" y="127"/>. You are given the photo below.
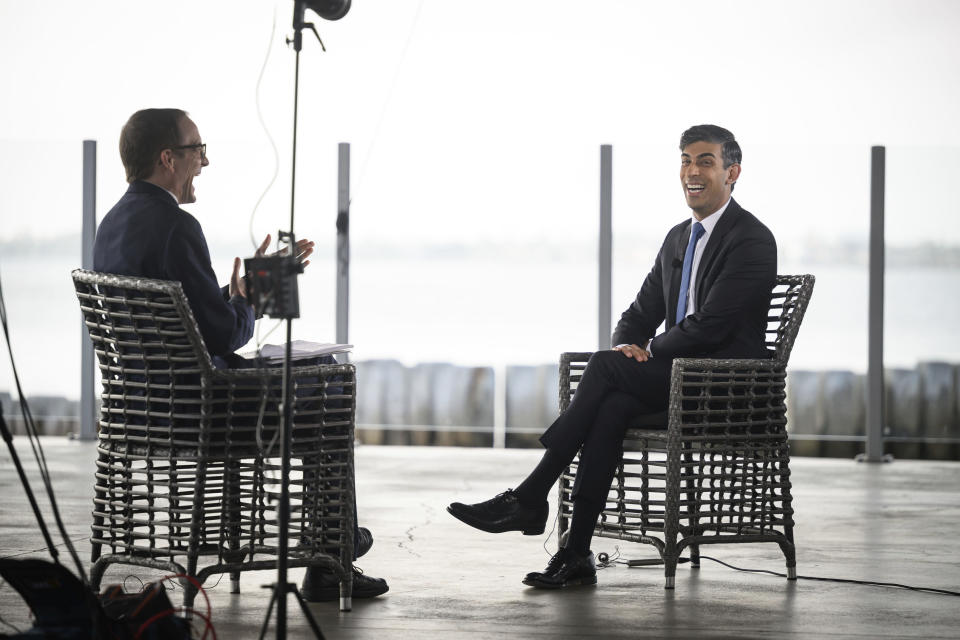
<point x="329" y="9"/>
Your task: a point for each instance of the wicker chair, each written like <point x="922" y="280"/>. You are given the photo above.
<point x="187" y="464"/>
<point x="715" y="467"/>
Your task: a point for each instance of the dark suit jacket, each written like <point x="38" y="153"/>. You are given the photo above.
<point x="734" y="280"/>
<point x="146" y="234"/>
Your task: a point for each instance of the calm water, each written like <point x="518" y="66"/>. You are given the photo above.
<point x="483" y="312"/>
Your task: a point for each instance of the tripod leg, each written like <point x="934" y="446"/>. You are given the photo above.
<point x="306" y="611"/>
<point x="266" y="618"/>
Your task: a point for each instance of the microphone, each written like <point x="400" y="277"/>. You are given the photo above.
<point x="677" y="263"/>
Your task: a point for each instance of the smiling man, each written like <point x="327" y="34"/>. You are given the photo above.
<point x="147" y="233"/>
<point x="710" y="289"/>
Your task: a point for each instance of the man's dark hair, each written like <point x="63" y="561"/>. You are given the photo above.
<point x="714" y="135"/>
<point x="144" y="136"/>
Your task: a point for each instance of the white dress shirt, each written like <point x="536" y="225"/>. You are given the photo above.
<point x="708" y="225"/>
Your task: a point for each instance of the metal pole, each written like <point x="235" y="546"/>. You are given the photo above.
<point x="87" y="236"/>
<point x="343" y="243"/>
<point x="606" y="246"/>
<point x="876" y="415"/>
<point x="500" y="407"/>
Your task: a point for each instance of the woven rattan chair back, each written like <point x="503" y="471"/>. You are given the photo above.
<point x="788" y="304"/>
<point x="715" y="467"/>
<point x="187" y="455"/>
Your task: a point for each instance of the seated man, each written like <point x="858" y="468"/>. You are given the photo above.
<point x="147" y="234"/>
<point x="710" y="285"/>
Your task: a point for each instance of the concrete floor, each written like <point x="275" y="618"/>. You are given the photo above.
<point x="871" y="522"/>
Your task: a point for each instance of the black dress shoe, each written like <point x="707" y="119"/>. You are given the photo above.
<point x="566" y="568"/>
<point x="323" y="585"/>
<point x="502" y="513"/>
<point x="363" y="541"/>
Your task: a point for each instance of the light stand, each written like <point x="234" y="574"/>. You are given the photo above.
<point x="289" y="269"/>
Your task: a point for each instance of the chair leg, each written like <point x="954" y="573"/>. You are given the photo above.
<point x="233" y="513"/>
<point x="669" y="568"/>
<point x="787" y="546"/>
<point x="100" y="493"/>
<point x="671" y="515"/>
<point x="690" y="481"/>
<point x="189" y="589"/>
<point x="96" y="573"/>
<point x="189" y="593"/>
<point x="563" y="521"/>
<point x="790" y="553"/>
<point x="671" y="527"/>
<point x="234" y="582"/>
<point x="789" y="550"/>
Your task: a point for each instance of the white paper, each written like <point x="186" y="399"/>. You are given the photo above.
<point x="299" y="349"/>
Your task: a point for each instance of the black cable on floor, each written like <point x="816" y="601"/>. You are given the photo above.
<point x="871" y="583"/>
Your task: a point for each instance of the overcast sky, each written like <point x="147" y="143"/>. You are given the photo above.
<point x="481" y="121"/>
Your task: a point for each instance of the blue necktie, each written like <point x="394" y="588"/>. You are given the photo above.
<point x="695" y="235"/>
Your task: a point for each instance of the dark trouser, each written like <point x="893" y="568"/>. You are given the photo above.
<point x="614" y="390"/>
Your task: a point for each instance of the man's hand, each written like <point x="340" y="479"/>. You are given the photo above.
<point x="640" y="354"/>
<point x="262" y="249"/>
<point x="304" y="249"/>
<point x="237" y="286"/>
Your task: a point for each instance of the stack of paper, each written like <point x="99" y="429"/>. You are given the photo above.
<point x="299" y="349"/>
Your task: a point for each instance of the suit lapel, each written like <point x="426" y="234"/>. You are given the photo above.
<point x="727" y="221"/>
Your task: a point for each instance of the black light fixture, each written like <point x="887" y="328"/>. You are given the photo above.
<point x="326" y="9"/>
<point x="329" y="9"/>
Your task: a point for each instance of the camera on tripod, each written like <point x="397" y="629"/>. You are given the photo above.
<point x="271" y="281"/>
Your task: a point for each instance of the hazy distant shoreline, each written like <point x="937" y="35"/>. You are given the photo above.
<point x="812" y="252"/>
<point x="483" y="305"/>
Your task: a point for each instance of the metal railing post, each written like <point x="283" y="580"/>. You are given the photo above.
<point x="343" y="242"/>
<point x="88" y="234"/>
<point x="500" y="407"/>
<point x="605" y="252"/>
<point x="876" y="414"/>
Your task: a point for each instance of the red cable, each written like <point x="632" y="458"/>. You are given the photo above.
<point x="206" y="618"/>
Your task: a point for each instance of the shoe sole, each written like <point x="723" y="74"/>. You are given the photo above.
<point x="585" y="581"/>
<point x="536" y="531"/>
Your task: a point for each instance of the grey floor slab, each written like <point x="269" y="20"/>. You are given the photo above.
<point x="869" y="522"/>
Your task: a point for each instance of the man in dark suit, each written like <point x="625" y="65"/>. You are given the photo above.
<point x="147" y="234"/>
<point x="710" y="287"/>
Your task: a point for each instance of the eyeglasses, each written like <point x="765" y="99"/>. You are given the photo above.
<point x="202" y="146"/>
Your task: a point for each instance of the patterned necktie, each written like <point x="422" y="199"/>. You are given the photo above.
<point x="695" y="235"/>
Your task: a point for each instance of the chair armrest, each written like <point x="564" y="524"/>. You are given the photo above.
<point x="576" y="356"/>
<point x="730" y="395"/>
<point x="338" y="381"/>
<point x="726" y="364"/>
<point x="571" y="363"/>
<point x="254" y="373"/>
